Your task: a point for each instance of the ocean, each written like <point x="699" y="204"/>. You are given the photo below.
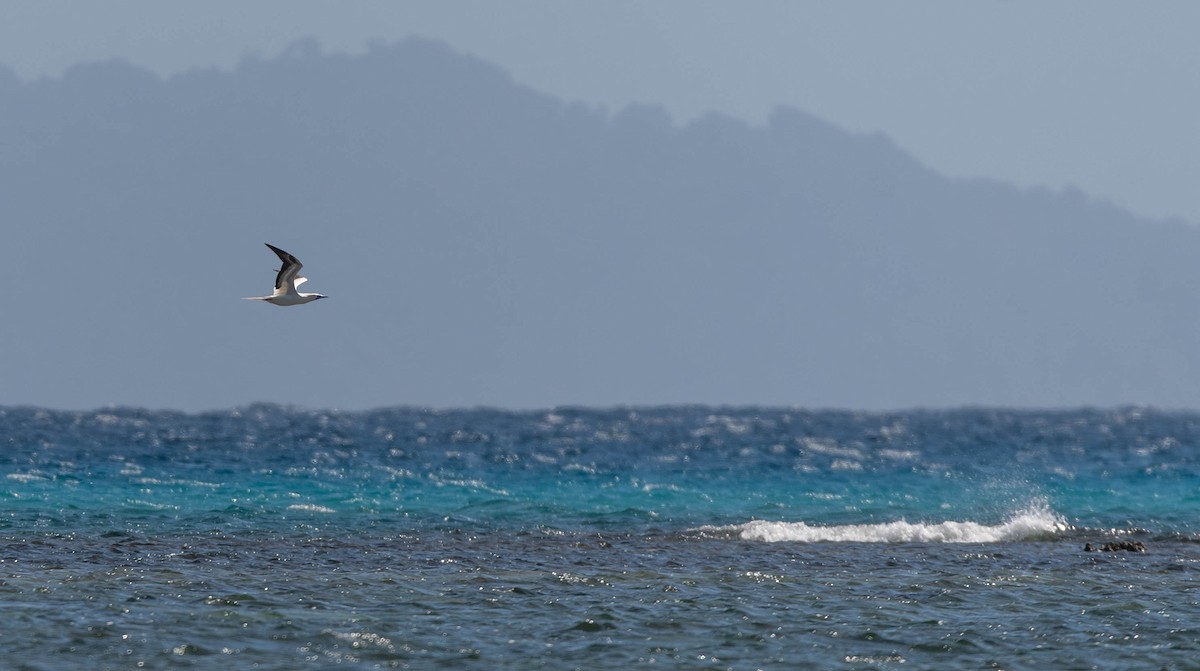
<point x="693" y="537"/>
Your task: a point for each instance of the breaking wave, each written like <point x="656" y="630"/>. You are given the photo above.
<point x="1031" y="524"/>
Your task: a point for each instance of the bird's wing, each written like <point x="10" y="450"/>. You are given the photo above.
<point x="285" y="281"/>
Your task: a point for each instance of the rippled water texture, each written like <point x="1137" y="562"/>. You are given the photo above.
<point x="630" y="538"/>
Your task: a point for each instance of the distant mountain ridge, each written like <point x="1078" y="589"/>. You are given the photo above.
<point x="487" y="244"/>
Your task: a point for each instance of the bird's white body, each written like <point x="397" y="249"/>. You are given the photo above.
<point x="286" y="282"/>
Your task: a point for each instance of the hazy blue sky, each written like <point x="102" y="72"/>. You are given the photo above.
<point x="1099" y="94"/>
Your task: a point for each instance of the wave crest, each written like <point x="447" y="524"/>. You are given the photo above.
<point x="1030" y="524"/>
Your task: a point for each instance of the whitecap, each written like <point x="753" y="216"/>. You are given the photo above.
<point x="467" y="484"/>
<point x="311" y="508"/>
<point x="830" y="447"/>
<point x="1030" y="524"/>
<point x="140" y="503"/>
<point x="899" y="455"/>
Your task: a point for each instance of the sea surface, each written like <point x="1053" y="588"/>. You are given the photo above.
<point x="270" y="537"/>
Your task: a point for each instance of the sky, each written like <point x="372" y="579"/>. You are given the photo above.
<point x="1095" y="94"/>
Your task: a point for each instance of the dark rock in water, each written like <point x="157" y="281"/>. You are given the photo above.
<point x="1119" y="546"/>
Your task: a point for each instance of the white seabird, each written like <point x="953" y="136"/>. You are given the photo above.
<point x="286" y="282"/>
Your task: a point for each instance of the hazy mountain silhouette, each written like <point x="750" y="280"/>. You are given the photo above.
<point x="483" y="243"/>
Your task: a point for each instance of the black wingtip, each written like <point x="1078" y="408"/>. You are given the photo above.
<point x="283" y="256"/>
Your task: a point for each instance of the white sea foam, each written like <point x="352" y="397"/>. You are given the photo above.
<point x="467" y="484"/>
<point x="139" y="503"/>
<point x="1035" y="522"/>
<point x="311" y="508"/>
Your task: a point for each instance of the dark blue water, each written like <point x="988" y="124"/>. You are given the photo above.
<point x="690" y="537"/>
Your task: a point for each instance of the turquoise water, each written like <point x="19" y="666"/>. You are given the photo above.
<point x="688" y="537"/>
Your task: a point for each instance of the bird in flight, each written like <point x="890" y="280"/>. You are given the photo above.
<point x="286" y="282"/>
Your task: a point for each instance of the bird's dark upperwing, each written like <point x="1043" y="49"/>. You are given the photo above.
<point x="291" y="267"/>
